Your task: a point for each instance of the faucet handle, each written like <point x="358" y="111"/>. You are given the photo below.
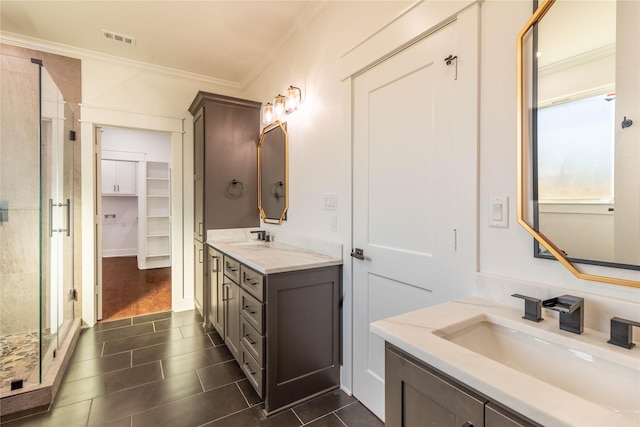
<point x="532" y="308"/>
<point x="622" y="332"/>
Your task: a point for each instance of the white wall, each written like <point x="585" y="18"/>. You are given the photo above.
<point x="156" y="146"/>
<point x="120" y="235"/>
<point x="506" y="255"/>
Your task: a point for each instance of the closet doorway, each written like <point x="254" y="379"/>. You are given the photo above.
<point x="135" y="222"/>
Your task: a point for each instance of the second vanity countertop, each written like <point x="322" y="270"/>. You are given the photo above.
<point x="550" y="406"/>
<point x="272" y="257"/>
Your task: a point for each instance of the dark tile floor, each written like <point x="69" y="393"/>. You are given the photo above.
<point x="165" y="370"/>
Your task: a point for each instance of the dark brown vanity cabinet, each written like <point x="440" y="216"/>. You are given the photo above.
<point x="226" y="132"/>
<point x="417" y="394"/>
<point x="288" y="328"/>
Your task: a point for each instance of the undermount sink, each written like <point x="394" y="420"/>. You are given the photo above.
<point x="573" y="367"/>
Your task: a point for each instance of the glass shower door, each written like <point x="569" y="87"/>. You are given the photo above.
<point x="56" y="177"/>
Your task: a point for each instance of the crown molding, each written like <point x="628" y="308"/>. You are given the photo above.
<point x="78" y="53"/>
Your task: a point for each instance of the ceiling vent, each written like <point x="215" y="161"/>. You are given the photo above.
<point x="110" y="35"/>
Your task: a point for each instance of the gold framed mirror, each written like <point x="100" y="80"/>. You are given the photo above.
<point x="534" y="96"/>
<point x="273" y="173"/>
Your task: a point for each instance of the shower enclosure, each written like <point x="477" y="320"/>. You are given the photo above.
<point x="36" y="217"/>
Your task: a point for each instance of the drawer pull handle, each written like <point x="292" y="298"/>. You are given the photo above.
<point x="248" y="308"/>
<point x="248" y="337"/>
<point x="251" y="372"/>
<point x="251" y="282"/>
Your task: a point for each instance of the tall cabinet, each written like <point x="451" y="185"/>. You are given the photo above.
<point x="225" y="181"/>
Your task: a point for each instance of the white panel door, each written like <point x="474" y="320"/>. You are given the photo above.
<point x="404" y="195"/>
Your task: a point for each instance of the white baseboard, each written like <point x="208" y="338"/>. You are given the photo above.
<point x="110" y="253"/>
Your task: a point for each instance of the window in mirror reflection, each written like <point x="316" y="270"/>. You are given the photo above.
<point x="576" y="151"/>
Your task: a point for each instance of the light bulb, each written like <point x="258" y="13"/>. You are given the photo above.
<point x="292" y="100"/>
<point x="278" y="106"/>
<point x="267" y="113"/>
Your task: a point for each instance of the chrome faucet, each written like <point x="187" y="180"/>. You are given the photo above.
<point x="571" y="311"/>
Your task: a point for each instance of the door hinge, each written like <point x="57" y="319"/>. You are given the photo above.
<point x="450" y="60"/>
<point x="73" y="295"/>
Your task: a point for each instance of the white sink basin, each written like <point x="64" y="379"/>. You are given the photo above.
<point x="573" y="367"/>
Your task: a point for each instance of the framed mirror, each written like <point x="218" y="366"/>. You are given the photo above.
<point x="579" y="157"/>
<point x="273" y="173"/>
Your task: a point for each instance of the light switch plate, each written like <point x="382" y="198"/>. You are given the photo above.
<point x="499" y="212"/>
<point x="330" y="202"/>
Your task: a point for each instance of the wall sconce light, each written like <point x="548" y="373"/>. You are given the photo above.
<point x="282" y="105"/>
<point x="267" y="114"/>
<point x="293" y="99"/>
<point x="278" y="106"/>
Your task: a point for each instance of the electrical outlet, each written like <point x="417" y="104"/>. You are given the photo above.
<point x="333" y="223"/>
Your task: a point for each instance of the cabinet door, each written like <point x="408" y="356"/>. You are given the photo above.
<point x="198" y="177"/>
<point x="216" y="303"/>
<point x="232" y="318"/>
<point x="415" y="396"/>
<point x="303" y="335"/>
<point x="198" y="275"/>
<point x="109" y="179"/>
<point x="231" y="154"/>
<point x="126" y="177"/>
<point x="119" y="177"/>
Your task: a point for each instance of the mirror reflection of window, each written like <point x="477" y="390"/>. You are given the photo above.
<point x="576" y="151"/>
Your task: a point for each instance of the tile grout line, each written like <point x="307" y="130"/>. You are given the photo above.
<point x="338" y="417"/>
<point x="200" y="380"/>
<point x="242" y="393"/>
<point x="296" y="414"/>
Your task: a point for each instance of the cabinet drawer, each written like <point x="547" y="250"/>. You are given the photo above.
<point x="252" y="281"/>
<point x="253" y="341"/>
<point x="251" y="369"/>
<point x="252" y="310"/>
<point x="232" y="269"/>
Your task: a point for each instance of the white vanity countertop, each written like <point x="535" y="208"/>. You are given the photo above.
<point x="272" y="257"/>
<point x="524" y="394"/>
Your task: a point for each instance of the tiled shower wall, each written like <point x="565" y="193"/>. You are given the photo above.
<point x="19" y="185"/>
